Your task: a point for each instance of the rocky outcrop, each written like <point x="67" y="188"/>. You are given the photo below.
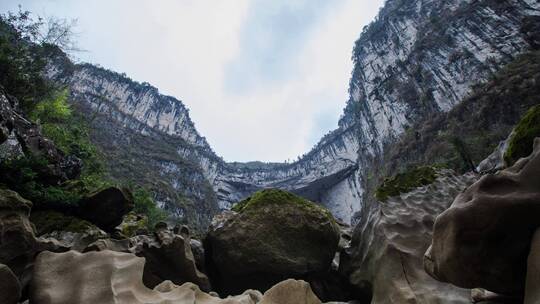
<point x="168" y="256"/>
<point x="385" y="260"/>
<point x="106" y="208"/>
<point x="484" y="238"/>
<point x="10" y="288"/>
<point x="276" y="235"/>
<point x="117" y="278"/>
<point x="19" y="136"/>
<point x="17" y="240"/>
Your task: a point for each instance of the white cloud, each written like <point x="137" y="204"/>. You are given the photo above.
<point x="185" y="48"/>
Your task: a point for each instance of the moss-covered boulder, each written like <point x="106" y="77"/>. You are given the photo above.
<point x="525" y="132"/>
<point x="274" y="236"/>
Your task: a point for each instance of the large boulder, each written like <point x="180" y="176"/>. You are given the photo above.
<point x="17" y="239"/>
<point x="114" y="277"/>
<point x="274" y="236"/>
<point x="384" y="261"/>
<point x="10" y="288"/>
<point x="106" y="208"/>
<point x="484" y="238"/>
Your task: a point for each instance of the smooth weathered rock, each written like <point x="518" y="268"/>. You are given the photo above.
<point x="484" y="238"/>
<point x="384" y="261"/>
<point x="17" y="239"/>
<point x="290" y="292"/>
<point x="10" y="288"/>
<point x="275" y="237"/>
<point x="107" y="207"/>
<point x="109" y="277"/>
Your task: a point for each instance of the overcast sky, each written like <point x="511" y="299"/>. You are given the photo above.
<point x="263" y="79"/>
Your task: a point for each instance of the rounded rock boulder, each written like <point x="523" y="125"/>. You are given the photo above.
<point x="274" y="235"/>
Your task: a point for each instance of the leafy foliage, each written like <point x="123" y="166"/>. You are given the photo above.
<point x="26" y="45"/>
<point x="521" y="143"/>
<point x="21" y="61"/>
<point x="405" y="182"/>
<point x="28" y="175"/>
<point x="144" y="204"/>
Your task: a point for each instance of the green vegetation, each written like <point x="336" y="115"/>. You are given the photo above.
<point x="278" y="198"/>
<point x="49" y="221"/>
<point x="70" y="133"/>
<point x="521" y="143"/>
<point x="144" y="204"/>
<point x="405" y="182"/>
<point x="30" y="177"/>
<point x="26" y="45"/>
<point x="21" y="61"/>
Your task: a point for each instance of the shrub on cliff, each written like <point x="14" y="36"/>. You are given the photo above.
<point x="405" y="182"/>
<point x="525" y="132"/>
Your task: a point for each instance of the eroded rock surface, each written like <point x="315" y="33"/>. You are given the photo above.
<point x="168" y="257"/>
<point x="385" y="258"/>
<point x="113" y="277"/>
<point x="484" y="238"/>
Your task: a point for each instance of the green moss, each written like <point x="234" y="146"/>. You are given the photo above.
<point x="49" y="221"/>
<point x="405" y="182"/>
<point x="521" y="143"/>
<point x="132" y="223"/>
<point x="277" y="197"/>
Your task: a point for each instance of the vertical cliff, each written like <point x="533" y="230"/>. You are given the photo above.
<point x="417" y="59"/>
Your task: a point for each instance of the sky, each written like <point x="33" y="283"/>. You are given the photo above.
<point x="263" y="79"/>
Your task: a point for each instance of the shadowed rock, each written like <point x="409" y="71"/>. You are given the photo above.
<point x="10" y="288"/>
<point x="484" y="238"/>
<point x="107" y="207"/>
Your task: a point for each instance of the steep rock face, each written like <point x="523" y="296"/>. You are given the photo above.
<point x="417" y="58"/>
<point x="386" y="254"/>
